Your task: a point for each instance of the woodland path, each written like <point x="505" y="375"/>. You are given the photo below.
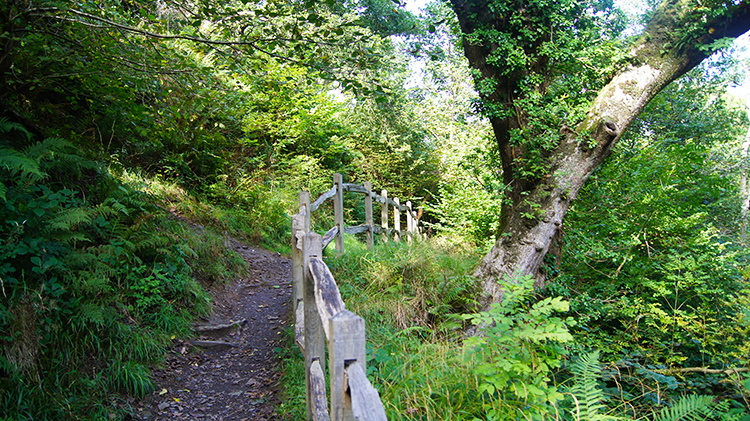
<point x="230" y="382"/>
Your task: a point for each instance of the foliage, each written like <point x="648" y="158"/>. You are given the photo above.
<point x="543" y="63"/>
<point x="467" y="202"/>
<point x="293" y="404"/>
<point x="429" y="280"/>
<point x="586" y="393"/>
<point x="649" y="264"/>
<point x="693" y="407"/>
<point x="94" y="280"/>
<point x="411" y="298"/>
<point x="520" y="345"/>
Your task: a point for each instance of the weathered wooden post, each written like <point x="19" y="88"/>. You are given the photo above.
<point x="300" y="227"/>
<point x="314" y="333"/>
<point x="397" y="220"/>
<point x="345" y="346"/>
<point x="368" y="216"/>
<point x="409" y="222"/>
<point x="384" y="216"/>
<point x="304" y="201"/>
<point x="338" y="211"/>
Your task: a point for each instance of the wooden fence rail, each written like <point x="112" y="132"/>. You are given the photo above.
<point x="320" y="314"/>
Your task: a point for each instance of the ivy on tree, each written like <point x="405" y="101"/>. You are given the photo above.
<point x="560" y="89"/>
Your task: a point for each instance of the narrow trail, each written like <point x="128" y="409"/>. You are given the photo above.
<point x="237" y="381"/>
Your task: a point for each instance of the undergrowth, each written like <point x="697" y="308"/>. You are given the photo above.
<point x="96" y="279"/>
<point x="523" y="364"/>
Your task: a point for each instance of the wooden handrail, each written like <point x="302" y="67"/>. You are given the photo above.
<point x="363" y="394"/>
<point x="321" y="317"/>
<point x="369" y="227"/>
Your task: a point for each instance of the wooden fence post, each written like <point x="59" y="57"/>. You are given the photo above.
<point x="384" y="216"/>
<point x="368" y="216"/>
<point x="397" y="220"/>
<point x="314" y="334"/>
<point x="338" y="211"/>
<point x="346" y="345"/>
<point x="300" y="227"/>
<point x="297" y="277"/>
<point x="409" y="222"/>
<point x="304" y="200"/>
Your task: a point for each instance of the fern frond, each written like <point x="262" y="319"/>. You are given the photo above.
<point x="91" y="313"/>
<point x="18" y="163"/>
<point x="7" y="126"/>
<point x="588" y="395"/>
<point x="112" y="206"/>
<point x="65" y="219"/>
<point x="691" y="407"/>
<point x="43" y="150"/>
<point x="56" y="153"/>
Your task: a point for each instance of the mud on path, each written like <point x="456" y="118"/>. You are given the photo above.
<point x="237" y="381"/>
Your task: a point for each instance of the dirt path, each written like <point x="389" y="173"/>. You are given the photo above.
<point x="238" y="381"/>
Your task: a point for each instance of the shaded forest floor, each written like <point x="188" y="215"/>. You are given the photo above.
<point x="206" y="379"/>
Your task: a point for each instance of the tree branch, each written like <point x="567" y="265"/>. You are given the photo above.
<point x="154" y="35"/>
<point x="703" y="370"/>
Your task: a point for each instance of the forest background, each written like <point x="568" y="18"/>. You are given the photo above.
<point x="126" y="124"/>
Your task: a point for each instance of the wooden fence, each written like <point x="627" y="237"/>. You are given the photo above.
<point x="320" y="314"/>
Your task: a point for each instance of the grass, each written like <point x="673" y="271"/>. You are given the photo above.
<point x="259" y="216"/>
<point x="411" y="297"/>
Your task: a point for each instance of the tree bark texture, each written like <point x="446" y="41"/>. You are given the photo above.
<point x="534" y="209"/>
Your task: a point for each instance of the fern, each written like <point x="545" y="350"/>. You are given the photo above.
<point x="66" y="219"/>
<point x="19" y="166"/>
<point x="691" y="407"/>
<point x="587" y="394"/>
<point x="58" y="154"/>
<point x="6" y="126"/>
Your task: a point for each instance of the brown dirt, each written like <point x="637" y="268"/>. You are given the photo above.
<point x="230" y="382"/>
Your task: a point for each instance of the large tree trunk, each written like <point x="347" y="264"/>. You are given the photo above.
<point x="533" y="212"/>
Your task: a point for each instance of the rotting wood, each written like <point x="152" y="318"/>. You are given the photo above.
<point x="366" y="403"/>
<point x="323" y="197"/>
<point x="318" y="383"/>
<point x="329" y="236"/>
<point x="384" y="215"/>
<point x="327" y="295"/>
<point x="299" y="325"/>
<point x="304" y="205"/>
<point x="397" y="220"/>
<point x="214" y="328"/>
<point x="409" y="222"/>
<point x="298" y="234"/>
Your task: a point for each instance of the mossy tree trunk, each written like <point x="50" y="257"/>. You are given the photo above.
<point x="536" y="204"/>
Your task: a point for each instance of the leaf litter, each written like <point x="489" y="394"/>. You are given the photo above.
<point x="240" y="380"/>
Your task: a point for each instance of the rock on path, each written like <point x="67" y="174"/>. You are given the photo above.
<point x="237" y="381"/>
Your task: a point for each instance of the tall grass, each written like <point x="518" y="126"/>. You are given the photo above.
<point x="411" y="297"/>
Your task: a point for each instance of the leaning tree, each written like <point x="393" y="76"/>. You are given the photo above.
<point x="560" y="86"/>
